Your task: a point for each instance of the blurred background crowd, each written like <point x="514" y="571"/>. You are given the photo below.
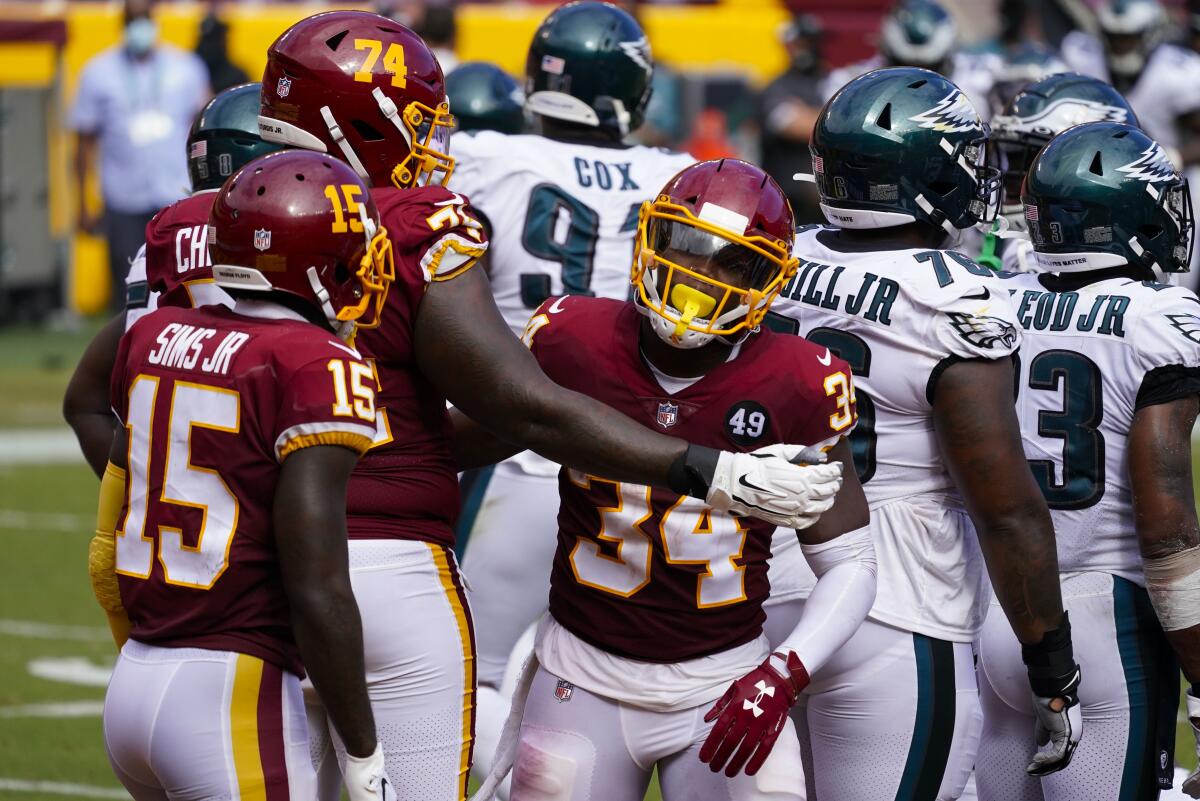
<point x="96" y="98"/>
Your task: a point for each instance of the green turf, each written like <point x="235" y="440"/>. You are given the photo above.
<point x="45" y="580"/>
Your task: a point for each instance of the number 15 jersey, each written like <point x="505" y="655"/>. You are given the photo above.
<point x="563" y="215"/>
<point x="1090" y="359"/>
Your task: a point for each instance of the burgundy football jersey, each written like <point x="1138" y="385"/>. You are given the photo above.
<point x="406" y="487"/>
<point x="642" y="572"/>
<point x="214" y="401"/>
<point x="178" y="266"/>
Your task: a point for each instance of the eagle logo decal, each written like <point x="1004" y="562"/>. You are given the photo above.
<point x="1186" y="324"/>
<point x="983" y="331"/>
<point x="952" y="115"/>
<point x="1152" y="166"/>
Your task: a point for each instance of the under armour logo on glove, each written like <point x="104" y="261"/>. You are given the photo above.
<point x="738" y="738"/>
<point x="763" y="690"/>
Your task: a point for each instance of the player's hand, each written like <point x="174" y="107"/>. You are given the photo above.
<point x="1054" y="678"/>
<point x="782" y="484"/>
<point x="366" y="779"/>
<point x="1191" y="785"/>
<point x="751" y="714"/>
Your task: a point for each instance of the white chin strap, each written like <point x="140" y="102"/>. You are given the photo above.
<point x="339" y="138"/>
<point x="322" y="295"/>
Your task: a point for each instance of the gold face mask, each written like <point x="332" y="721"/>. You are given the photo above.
<point x="428" y="162"/>
<point x="376" y="271"/>
<point x="701" y="296"/>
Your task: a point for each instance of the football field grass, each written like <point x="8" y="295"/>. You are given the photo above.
<point x="55" y="650"/>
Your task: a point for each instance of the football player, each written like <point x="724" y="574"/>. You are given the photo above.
<point x="898" y="155"/>
<point x="922" y="33"/>
<point x="172" y="268"/>
<point x="1109" y="388"/>
<point x="1160" y="80"/>
<point x="656" y="598"/>
<point x="1035" y="115"/>
<point x="368" y="90"/>
<point x="485" y="98"/>
<point x="239" y="430"/>
<point x="560" y="206"/>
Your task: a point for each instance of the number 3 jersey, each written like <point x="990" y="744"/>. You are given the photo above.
<point x="214" y="401"/>
<point x="646" y="574"/>
<point x="406" y="486"/>
<point x="901" y="317"/>
<point x="1090" y="359"/>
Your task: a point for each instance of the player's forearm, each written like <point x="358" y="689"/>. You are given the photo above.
<point x="328" y="632"/>
<point x="580" y="432"/>
<point x="474" y="446"/>
<point x="839" y="603"/>
<point x="1022" y="562"/>
<point x="980" y="441"/>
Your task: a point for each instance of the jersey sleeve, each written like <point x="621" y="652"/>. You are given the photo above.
<point x="118" y="394"/>
<point x="1167" y="348"/>
<point x="328" y="401"/>
<point x="831" y="396"/>
<point x="139" y="299"/>
<point x="973" y="320"/>
<point x="435" y="234"/>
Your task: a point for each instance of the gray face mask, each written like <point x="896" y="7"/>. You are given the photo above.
<point x="140" y="35"/>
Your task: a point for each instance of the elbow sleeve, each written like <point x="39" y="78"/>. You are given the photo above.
<point x="841" y="599"/>
<point x="102" y="552"/>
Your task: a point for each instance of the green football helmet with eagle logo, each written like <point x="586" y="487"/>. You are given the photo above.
<point x="901" y="145"/>
<point x="590" y="64"/>
<point x="1104" y="195"/>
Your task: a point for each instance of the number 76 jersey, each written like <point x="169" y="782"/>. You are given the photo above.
<point x="562" y="215"/>
<point x="1090" y="359"/>
<point x="213" y="402"/>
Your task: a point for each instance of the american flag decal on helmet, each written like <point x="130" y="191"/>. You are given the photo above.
<point x="818" y="164"/>
<point x="1031" y="213"/>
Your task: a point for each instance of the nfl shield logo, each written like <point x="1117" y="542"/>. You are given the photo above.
<point x="284" y="86"/>
<point x="262" y="239"/>
<point x="563" y="691"/>
<point x="668" y="413"/>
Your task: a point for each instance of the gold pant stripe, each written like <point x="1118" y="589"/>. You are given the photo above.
<point x="446" y="577"/>
<point x="243" y="728"/>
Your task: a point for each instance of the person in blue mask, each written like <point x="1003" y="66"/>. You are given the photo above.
<point x="134" y="107"/>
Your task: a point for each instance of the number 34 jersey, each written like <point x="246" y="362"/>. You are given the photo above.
<point x="563" y="215"/>
<point x="901" y="317"/>
<point x="644" y="573"/>
<point x="214" y="401"/>
<point x="1090" y="359"/>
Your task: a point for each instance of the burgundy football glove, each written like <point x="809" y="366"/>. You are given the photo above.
<point x="750" y="716"/>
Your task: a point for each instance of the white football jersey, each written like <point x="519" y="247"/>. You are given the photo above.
<point x="974" y="73"/>
<point x="1085" y="358"/>
<point x="1168" y="87"/>
<point x="563" y="215"/>
<point x="900" y="317"/>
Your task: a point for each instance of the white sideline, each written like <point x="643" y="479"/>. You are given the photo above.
<point x="38" y="446"/>
<point x="66" y="522"/>
<point x="53" y="631"/>
<point x="61" y="788"/>
<point x="65" y="709"/>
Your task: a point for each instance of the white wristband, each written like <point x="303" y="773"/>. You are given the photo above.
<point x="1173" y="583"/>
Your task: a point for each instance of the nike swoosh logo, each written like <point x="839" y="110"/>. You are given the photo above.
<point x="341" y="346"/>
<point x="827" y="359"/>
<point x="983" y="294"/>
<point x="556" y="306"/>
<point x="742" y="480"/>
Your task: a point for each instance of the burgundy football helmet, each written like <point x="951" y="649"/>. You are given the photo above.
<point x="366" y="90"/>
<point x="713" y="251"/>
<point x="303" y="224"/>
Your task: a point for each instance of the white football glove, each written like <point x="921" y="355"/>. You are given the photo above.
<point x="1191" y="785"/>
<point x="366" y="779"/>
<point x="787" y="485"/>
